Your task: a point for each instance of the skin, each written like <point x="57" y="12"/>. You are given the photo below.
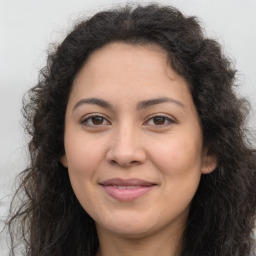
<point x="128" y="141"/>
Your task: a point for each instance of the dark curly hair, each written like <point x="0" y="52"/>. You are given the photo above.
<point x="50" y="220"/>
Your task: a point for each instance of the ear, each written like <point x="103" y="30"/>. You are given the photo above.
<point x="64" y="161"/>
<point x="209" y="162"/>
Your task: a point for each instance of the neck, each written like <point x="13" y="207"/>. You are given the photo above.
<point x="164" y="245"/>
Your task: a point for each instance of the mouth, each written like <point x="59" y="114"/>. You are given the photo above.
<point x="127" y="189"/>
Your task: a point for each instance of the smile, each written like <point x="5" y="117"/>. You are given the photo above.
<point x="126" y="190"/>
<point x="126" y="187"/>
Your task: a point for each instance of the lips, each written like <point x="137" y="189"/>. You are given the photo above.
<point x="126" y="189"/>
<point x="124" y="182"/>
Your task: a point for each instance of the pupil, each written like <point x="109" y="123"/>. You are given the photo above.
<point x="159" y="120"/>
<point x="97" y="120"/>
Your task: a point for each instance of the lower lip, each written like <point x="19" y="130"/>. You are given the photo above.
<point x="127" y="194"/>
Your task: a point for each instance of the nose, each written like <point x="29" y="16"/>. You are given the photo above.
<point x="126" y="148"/>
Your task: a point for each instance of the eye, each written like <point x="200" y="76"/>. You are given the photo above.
<point x="160" y="121"/>
<point x="95" y="120"/>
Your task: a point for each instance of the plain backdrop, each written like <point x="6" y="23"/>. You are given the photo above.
<point x="28" y="27"/>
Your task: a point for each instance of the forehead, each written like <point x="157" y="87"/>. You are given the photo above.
<point x="131" y="55"/>
<point x="130" y="72"/>
<point x="128" y="61"/>
<point x="119" y="47"/>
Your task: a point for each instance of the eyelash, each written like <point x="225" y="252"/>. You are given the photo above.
<point x="85" y="120"/>
<point x="167" y="120"/>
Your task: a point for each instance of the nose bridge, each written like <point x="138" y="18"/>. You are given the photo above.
<point x="126" y="147"/>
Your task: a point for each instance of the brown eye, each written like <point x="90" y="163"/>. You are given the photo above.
<point x="159" y="120"/>
<point x="95" y="120"/>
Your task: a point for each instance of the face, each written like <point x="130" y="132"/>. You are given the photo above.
<point x="133" y="141"/>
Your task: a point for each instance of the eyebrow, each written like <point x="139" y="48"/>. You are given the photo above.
<point x="93" y="101"/>
<point x="140" y="105"/>
<point x="150" y="102"/>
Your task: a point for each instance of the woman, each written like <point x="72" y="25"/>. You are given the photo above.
<point x="138" y="143"/>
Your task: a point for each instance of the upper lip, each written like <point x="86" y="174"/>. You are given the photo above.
<point x="126" y="182"/>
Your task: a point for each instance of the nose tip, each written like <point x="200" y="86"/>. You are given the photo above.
<point x="126" y="152"/>
<point x="125" y="160"/>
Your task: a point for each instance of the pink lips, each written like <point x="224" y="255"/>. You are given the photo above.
<point x="126" y="190"/>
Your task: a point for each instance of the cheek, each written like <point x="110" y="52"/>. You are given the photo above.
<point x="178" y="155"/>
<point x="83" y="156"/>
<point x="179" y="161"/>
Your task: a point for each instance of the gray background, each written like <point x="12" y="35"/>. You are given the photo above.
<point x="28" y="27"/>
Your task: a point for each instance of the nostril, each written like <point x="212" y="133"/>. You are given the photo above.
<point x="113" y="162"/>
<point x="134" y="162"/>
<point x="124" y="163"/>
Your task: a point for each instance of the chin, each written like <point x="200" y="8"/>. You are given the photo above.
<point x="128" y="230"/>
<point x="129" y="225"/>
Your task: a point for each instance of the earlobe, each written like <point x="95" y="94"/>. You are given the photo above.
<point x="209" y="162"/>
<point x="64" y="161"/>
